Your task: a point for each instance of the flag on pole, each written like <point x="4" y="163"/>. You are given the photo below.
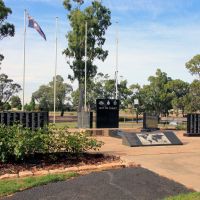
<point x="33" y="24"/>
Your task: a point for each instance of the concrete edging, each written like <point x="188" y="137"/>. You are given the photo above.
<point x="85" y="168"/>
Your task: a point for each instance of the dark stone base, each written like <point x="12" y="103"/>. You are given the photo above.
<point x="116" y="133"/>
<point x="150" y="139"/>
<point x="149" y="129"/>
<point x="191" y="135"/>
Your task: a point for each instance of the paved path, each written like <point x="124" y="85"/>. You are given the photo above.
<point x="180" y="163"/>
<point x="121" y="184"/>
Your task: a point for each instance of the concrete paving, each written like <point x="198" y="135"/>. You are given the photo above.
<point x="180" y="163"/>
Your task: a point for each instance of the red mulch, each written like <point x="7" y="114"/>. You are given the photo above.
<point x="53" y="161"/>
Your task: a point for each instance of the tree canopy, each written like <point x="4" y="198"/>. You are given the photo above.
<point x="7" y="89"/>
<point x="192" y="99"/>
<point x="45" y="94"/>
<point x="102" y="87"/>
<point x="154" y="97"/>
<point x="194" y="66"/>
<point x="6" y="29"/>
<point x="15" y="102"/>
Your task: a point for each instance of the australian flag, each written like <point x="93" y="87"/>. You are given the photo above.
<point x="33" y="24"/>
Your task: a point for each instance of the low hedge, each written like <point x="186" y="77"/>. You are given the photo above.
<point x="17" y="142"/>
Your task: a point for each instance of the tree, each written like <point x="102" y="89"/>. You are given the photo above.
<point x="192" y="99"/>
<point x="45" y="95"/>
<point x="104" y="87"/>
<point x="97" y="17"/>
<point x="155" y="97"/>
<point x="6" y="29"/>
<point x="32" y="106"/>
<point x="179" y="89"/>
<point x="15" y="102"/>
<point x="194" y="65"/>
<point x="135" y="94"/>
<point x="6" y="106"/>
<point x="7" y="89"/>
<point x="32" y="103"/>
<point x="62" y="93"/>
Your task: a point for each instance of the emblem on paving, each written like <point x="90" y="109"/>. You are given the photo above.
<point x="150" y="139"/>
<point x="154" y="138"/>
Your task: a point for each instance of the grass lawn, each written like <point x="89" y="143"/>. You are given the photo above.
<point x="121" y="125"/>
<point x="66" y="124"/>
<point x="14" y="185"/>
<point x="190" y="196"/>
<point x="65" y="113"/>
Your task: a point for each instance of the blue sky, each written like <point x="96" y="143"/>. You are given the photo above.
<point x="152" y="34"/>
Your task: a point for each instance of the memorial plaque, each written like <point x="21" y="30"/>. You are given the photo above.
<point x="107" y="113"/>
<point x="150" y="122"/>
<point x="32" y="120"/>
<point x="150" y="139"/>
<point x="193" y="125"/>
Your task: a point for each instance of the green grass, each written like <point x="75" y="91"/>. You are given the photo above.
<point x="66" y="124"/>
<point x="65" y="113"/>
<point x="189" y="196"/>
<point x="14" y="185"/>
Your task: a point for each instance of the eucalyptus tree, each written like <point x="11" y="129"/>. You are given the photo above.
<point x="194" y="66"/>
<point x="6" y="29"/>
<point x="98" y="18"/>
<point x="8" y="88"/>
<point x="44" y="95"/>
<point x="156" y="96"/>
<point x="179" y="89"/>
<point x="192" y="99"/>
<point x="15" y="102"/>
<point x="103" y="87"/>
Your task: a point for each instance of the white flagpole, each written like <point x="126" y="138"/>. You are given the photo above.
<point x="24" y="64"/>
<point x="116" y="72"/>
<point x="56" y="41"/>
<point x="86" y="66"/>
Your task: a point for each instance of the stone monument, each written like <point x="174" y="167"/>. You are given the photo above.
<point x="193" y="125"/>
<point x="107" y="115"/>
<point x="150" y="139"/>
<point x="150" y="122"/>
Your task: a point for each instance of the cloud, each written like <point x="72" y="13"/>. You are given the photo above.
<point x="154" y="6"/>
<point x="165" y="39"/>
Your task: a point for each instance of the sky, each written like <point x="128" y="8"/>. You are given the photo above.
<point x="152" y="34"/>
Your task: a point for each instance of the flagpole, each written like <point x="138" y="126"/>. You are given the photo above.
<point x="116" y="72"/>
<point x="86" y="66"/>
<point x="56" y="41"/>
<point x="24" y="63"/>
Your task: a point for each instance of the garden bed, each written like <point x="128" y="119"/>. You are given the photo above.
<point x="55" y="160"/>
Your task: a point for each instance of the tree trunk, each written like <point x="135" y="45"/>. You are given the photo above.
<point x="62" y="112"/>
<point x="81" y="97"/>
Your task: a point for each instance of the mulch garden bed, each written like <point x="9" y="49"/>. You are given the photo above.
<point x="55" y="160"/>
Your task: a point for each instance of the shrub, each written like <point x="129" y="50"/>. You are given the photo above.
<point x="17" y="142"/>
<point x="181" y="127"/>
<point x="73" y="142"/>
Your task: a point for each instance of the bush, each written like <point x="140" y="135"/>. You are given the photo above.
<point x="17" y="142"/>
<point x="181" y="127"/>
<point x="76" y="142"/>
